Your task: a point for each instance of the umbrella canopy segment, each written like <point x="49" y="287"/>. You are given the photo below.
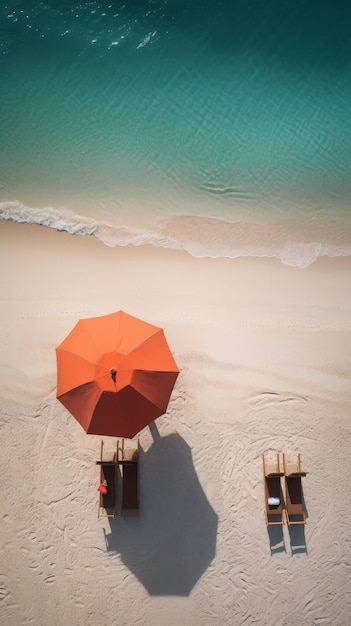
<point x="115" y="374"/>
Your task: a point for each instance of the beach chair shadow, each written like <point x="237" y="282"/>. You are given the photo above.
<point x="129" y="468"/>
<point x="172" y="542"/>
<point x="297" y="539"/>
<point x="108" y="476"/>
<point x="276" y="538"/>
<point x="273" y="495"/>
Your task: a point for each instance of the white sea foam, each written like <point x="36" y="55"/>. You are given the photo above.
<point x="199" y="236"/>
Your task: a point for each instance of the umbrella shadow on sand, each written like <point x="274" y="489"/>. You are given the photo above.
<point x="173" y="541"/>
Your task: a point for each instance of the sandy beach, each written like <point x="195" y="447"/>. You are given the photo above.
<point x="264" y="354"/>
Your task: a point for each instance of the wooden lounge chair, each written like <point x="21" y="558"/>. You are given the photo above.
<point x="129" y="463"/>
<point x="295" y="513"/>
<point x="108" y="476"/>
<point x="273" y="490"/>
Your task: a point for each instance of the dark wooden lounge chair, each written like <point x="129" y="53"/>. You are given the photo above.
<point x="108" y="476"/>
<point x="273" y="489"/>
<point x="295" y="513"/>
<point x="129" y="463"/>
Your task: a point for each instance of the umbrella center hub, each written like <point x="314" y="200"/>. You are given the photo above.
<point x="110" y="362"/>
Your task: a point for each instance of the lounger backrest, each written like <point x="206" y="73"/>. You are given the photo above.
<point x="130" y="486"/>
<point x="130" y="480"/>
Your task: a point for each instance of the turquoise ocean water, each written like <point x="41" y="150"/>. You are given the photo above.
<point x="222" y="128"/>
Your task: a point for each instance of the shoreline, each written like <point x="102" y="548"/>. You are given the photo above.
<point x="296" y="242"/>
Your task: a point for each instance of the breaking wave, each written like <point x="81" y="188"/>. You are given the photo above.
<point x="290" y="241"/>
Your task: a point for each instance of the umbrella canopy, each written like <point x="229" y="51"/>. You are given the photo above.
<point x="115" y="374"/>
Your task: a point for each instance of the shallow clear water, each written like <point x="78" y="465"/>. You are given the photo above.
<point x="222" y="128"/>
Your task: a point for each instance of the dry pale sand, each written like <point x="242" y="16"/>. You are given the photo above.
<point x="264" y="353"/>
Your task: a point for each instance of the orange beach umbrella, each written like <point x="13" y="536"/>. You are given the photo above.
<point x="115" y="374"/>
